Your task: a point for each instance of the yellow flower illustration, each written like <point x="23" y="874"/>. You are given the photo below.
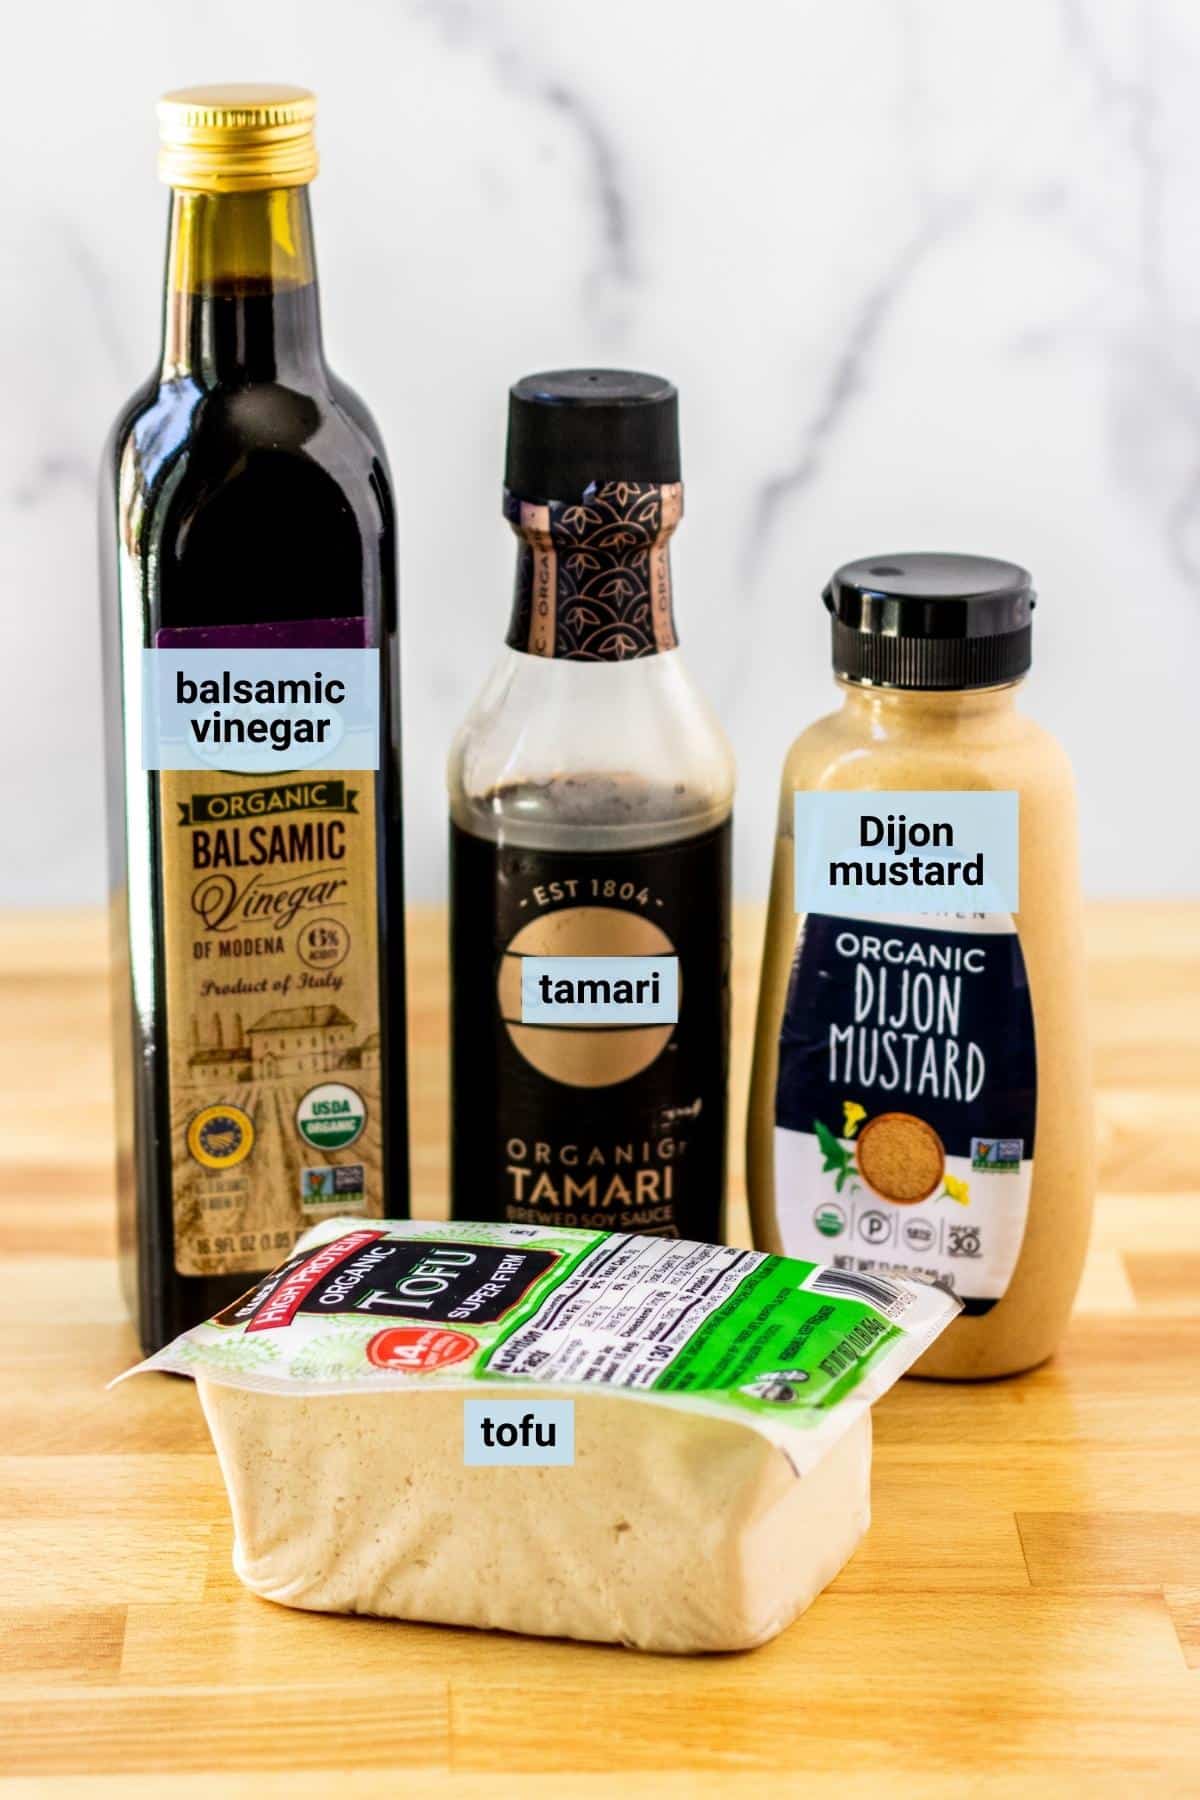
<point x="852" y="1117"/>
<point x="958" y="1190"/>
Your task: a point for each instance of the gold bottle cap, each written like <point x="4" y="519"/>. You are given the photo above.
<point x="237" y="136"/>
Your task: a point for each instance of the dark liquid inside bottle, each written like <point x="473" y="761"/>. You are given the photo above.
<point x="245" y="487"/>
<point x="607" y="1129"/>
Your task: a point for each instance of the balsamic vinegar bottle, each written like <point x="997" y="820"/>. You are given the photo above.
<point x="590" y="801"/>
<point x="246" y="504"/>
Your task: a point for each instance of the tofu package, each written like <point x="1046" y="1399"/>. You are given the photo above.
<point x="722" y="1429"/>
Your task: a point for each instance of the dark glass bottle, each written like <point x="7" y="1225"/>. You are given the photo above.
<point x="591" y="794"/>
<point x="246" y="503"/>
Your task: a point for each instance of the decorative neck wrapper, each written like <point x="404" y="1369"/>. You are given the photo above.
<point x="594" y="575"/>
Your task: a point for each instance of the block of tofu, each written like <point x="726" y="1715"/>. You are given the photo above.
<point x="672" y="1531"/>
<point x="714" y="1477"/>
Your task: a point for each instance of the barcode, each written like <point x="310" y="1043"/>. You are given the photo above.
<point x="885" y="1296"/>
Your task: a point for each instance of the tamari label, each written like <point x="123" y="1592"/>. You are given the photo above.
<point x="597" y="1119"/>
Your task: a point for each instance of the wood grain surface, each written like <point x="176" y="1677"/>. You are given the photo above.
<point x="1024" y="1617"/>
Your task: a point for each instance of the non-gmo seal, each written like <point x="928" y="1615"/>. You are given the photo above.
<point x="331" y="1116"/>
<point x="220" y="1136"/>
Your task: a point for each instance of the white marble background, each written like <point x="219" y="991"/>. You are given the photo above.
<point x="927" y="273"/>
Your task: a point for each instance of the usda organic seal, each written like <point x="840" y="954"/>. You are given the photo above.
<point x="331" y="1116"/>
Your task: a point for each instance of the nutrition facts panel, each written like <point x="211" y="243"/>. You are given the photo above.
<point x="625" y="1311"/>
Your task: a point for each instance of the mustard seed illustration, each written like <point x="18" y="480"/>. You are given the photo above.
<point x="901" y="1158"/>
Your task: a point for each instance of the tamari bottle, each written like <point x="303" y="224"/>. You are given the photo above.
<point x="921" y="1094"/>
<point x="256" y="920"/>
<point x="590" y="803"/>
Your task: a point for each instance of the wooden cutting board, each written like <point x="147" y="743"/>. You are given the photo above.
<point x="1023" y="1619"/>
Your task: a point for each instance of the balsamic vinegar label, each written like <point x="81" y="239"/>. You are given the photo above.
<point x="272" y="987"/>
<point x="599" y="1125"/>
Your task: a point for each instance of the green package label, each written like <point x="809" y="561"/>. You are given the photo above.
<point x="793" y="1349"/>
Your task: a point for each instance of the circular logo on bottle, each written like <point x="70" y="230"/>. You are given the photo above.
<point x="220" y="1136"/>
<point x="331" y="1116"/>
<point x="588" y="1056"/>
<point x="323" y="944"/>
<point x="830" y="1219"/>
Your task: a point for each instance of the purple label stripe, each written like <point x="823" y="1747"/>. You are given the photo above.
<point x="286" y="634"/>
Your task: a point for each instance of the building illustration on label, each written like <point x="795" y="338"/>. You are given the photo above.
<point x="292" y="1041"/>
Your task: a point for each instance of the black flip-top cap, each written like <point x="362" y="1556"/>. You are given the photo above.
<point x="930" y="620"/>
<point x="568" y="428"/>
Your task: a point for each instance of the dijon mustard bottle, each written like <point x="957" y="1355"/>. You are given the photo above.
<point x="921" y="1098"/>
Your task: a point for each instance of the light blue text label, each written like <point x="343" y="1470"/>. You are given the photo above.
<point x="600" y="990"/>
<point x="539" y="1433"/>
<point x="917" y="852"/>
<point x="260" y="711"/>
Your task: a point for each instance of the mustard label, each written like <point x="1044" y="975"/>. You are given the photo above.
<point x="272" y="979"/>
<point x="906" y="1099"/>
